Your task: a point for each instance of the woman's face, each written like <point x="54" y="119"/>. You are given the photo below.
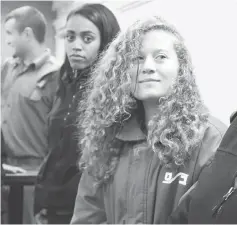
<point x="82" y="42"/>
<point x="156" y="66"/>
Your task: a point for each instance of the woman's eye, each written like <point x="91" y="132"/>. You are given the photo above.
<point x="70" y="38"/>
<point x="161" y="57"/>
<point x="88" y="39"/>
<point x="138" y="59"/>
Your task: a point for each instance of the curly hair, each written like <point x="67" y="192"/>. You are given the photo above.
<point x="173" y="133"/>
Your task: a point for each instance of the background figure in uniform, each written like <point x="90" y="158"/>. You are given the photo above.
<point x="146" y="132"/>
<point x="214" y="199"/>
<point x="89" y="30"/>
<point x="28" y="88"/>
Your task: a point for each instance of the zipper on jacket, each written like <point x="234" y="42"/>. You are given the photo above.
<point x="217" y="210"/>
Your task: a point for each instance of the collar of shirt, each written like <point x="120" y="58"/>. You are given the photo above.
<point x="76" y="76"/>
<point x="131" y="131"/>
<point x="66" y="77"/>
<point x="39" y="61"/>
<point x="36" y="63"/>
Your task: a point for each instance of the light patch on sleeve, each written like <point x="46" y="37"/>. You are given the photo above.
<point x="36" y="95"/>
<point x="41" y="84"/>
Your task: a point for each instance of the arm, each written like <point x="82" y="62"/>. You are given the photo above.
<point x="210" y="143"/>
<point x="89" y="205"/>
<point x="4" y="71"/>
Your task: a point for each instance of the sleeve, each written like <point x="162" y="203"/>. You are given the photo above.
<point x="4" y="70"/>
<point x="210" y="143"/>
<point x="3" y="151"/>
<point x="89" y="206"/>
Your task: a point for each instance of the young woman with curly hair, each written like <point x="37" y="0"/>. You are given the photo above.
<point x="146" y="132"/>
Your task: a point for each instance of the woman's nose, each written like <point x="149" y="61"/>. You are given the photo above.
<point x="78" y="45"/>
<point x="149" y="66"/>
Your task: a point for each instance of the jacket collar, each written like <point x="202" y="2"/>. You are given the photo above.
<point x="74" y="76"/>
<point x="131" y="131"/>
<point x="39" y="61"/>
<point x="36" y="63"/>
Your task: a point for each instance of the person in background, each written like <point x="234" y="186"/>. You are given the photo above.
<point x="214" y="199"/>
<point x="146" y="133"/>
<point x="28" y="87"/>
<point x="4" y="190"/>
<point x="89" y="30"/>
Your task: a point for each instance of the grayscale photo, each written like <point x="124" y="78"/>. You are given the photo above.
<point x="119" y="112"/>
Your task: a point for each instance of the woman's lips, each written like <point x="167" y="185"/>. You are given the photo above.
<point x="149" y="80"/>
<point x="77" y="57"/>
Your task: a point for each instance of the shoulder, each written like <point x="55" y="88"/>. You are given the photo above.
<point x="49" y="80"/>
<point x="213" y="135"/>
<point x="9" y="62"/>
<point x="49" y="72"/>
<point x="229" y="141"/>
<point x="50" y="67"/>
<point x="215" y="127"/>
<point x="233" y="116"/>
<point x="53" y="61"/>
<point x="7" y="66"/>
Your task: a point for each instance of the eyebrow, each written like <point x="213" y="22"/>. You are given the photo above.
<point x="70" y="31"/>
<point x="85" y="32"/>
<point x="160" y="50"/>
<point x="156" y="51"/>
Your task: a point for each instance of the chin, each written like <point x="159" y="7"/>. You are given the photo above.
<point x="16" y="53"/>
<point x="77" y="67"/>
<point x="150" y="96"/>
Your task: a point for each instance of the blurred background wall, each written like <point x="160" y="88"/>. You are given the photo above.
<point x="209" y="28"/>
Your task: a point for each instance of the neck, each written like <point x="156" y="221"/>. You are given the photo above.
<point x="35" y="52"/>
<point x="150" y="108"/>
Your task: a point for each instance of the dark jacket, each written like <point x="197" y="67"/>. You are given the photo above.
<point x="214" y="199"/>
<point x="59" y="176"/>
<point x="142" y="189"/>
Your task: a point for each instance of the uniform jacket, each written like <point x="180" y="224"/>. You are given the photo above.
<point x="142" y="190"/>
<point x="58" y="178"/>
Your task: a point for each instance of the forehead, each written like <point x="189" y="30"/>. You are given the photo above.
<point x="10" y="24"/>
<point x="157" y="39"/>
<point x="79" y="24"/>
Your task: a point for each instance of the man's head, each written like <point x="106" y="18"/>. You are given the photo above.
<point x="24" y="26"/>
